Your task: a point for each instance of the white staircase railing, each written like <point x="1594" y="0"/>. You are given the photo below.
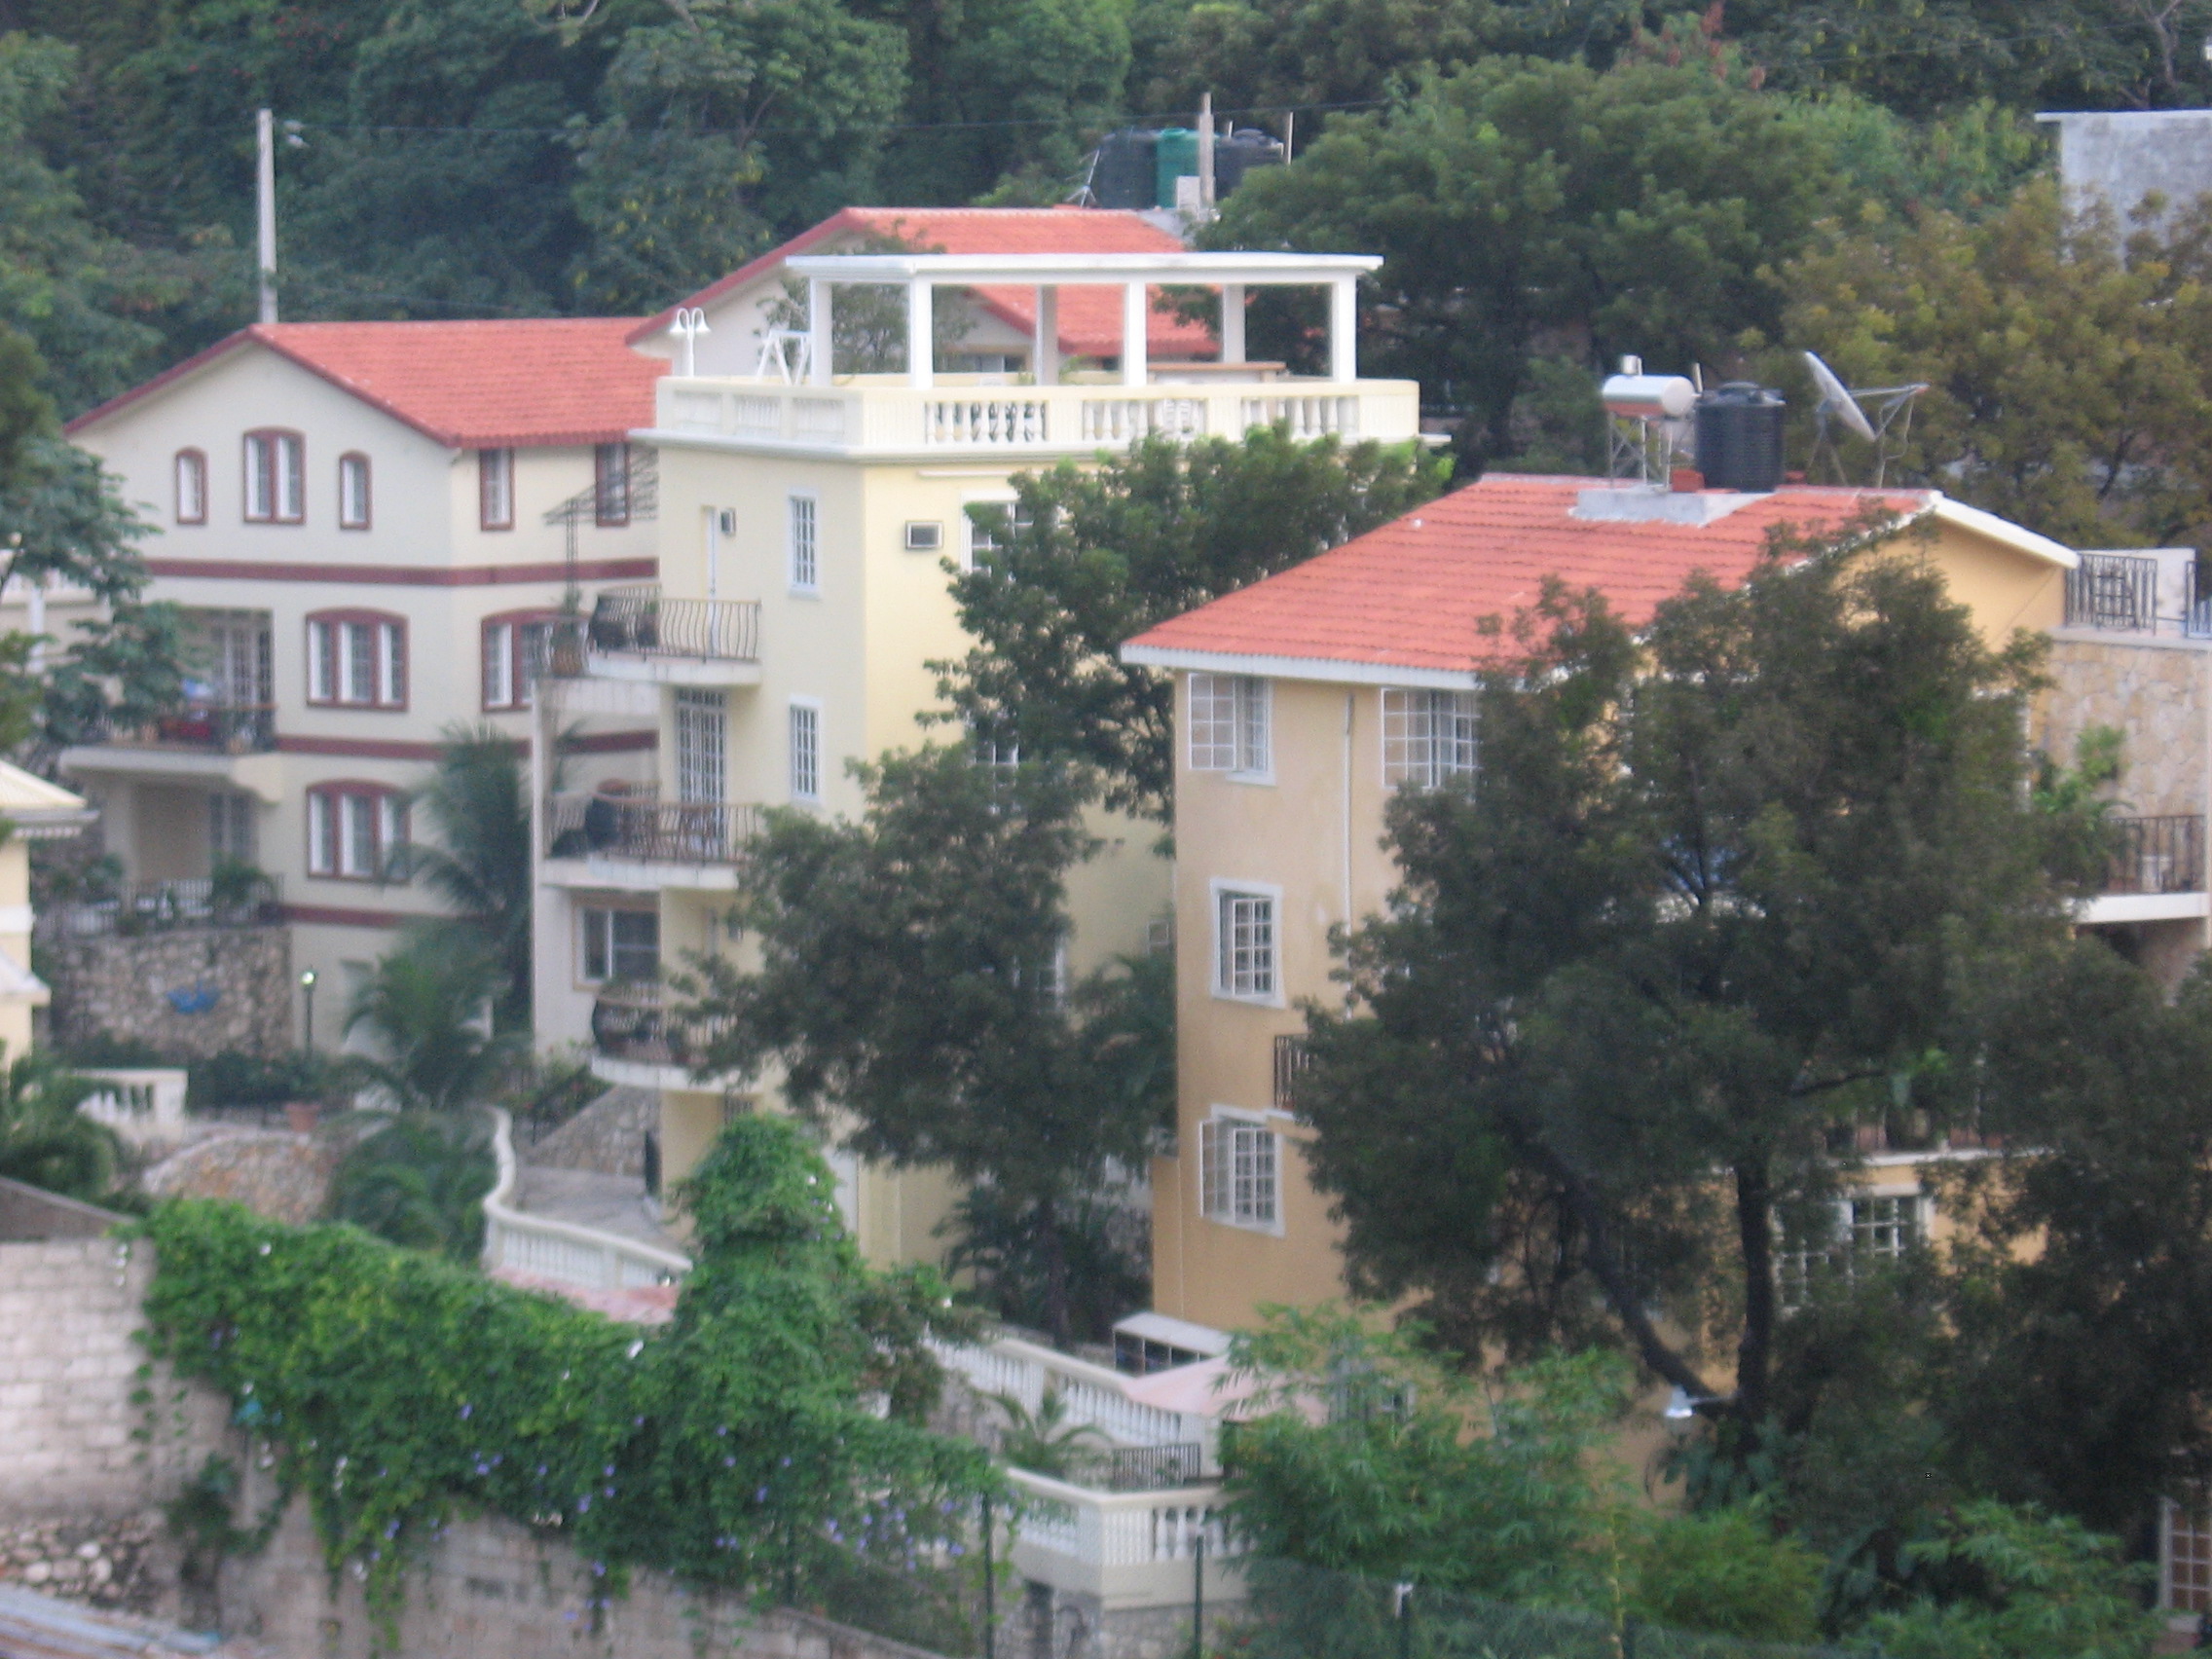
<point x="1094" y="1396"/>
<point x="1130" y="1549"/>
<point x="561" y="1250"/>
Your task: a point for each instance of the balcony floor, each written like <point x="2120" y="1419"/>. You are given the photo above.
<point x="258" y="773"/>
<point x="637" y="875"/>
<point x="637" y="667"/>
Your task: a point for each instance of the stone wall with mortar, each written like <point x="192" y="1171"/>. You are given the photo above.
<point x="273" y="1173"/>
<point x="608" y="1136"/>
<point x="2154" y="692"/>
<point x="70" y="1428"/>
<point x="121" y="986"/>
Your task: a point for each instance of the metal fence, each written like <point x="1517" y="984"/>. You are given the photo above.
<point x="163" y="907"/>
<point x="2154" y="855"/>
<point x="654" y="831"/>
<point x="2113" y="591"/>
<point x="641" y="1022"/>
<point x="1138" y="1468"/>
<point x="641" y="620"/>
<point x="215" y="729"/>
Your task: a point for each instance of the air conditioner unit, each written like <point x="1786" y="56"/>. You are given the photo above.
<point x="924" y="536"/>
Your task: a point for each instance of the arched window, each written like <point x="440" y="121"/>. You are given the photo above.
<point x="357" y="660"/>
<point x="353" y="492"/>
<point x="276" y="477"/>
<point x="191" y="487"/>
<point x="353" y="829"/>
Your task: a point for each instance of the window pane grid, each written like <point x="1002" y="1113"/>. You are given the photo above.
<point x="1428" y="738"/>
<point x="2189" y="1555"/>
<point x="1238" y="1172"/>
<point x="806" y="567"/>
<point x="1247" y="944"/>
<point x="699" y="726"/>
<point x="806" y="752"/>
<point x="1230" y="720"/>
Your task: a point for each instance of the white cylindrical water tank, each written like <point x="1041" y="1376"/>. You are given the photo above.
<point x="1649" y="397"/>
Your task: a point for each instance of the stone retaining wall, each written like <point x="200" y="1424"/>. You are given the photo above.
<point x="608" y="1136"/>
<point x="121" y="986"/>
<point x="2154" y="693"/>
<point x="273" y="1173"/>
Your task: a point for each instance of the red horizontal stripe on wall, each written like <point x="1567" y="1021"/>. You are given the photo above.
<point x="339" y="916"/>
<point x="409" y="575"/>
<point x="360" y="748"/>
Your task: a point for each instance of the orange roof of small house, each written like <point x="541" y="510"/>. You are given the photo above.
<point x="1090" y="317"/>
<point x="1415" y="595"/>
<point x="511" y="382"/>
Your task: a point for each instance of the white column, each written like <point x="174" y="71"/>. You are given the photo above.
<point x="1045" y="349"/>
<point x="818" y="331"/>
<point x="1343" y="329"/>
<point x="265" y="208"/>
<point x="1136" y="316"/>
<point x="1233" y="322"/>
<point x="921" y="334"/>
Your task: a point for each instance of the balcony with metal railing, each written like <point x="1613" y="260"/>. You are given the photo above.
<point x="221" y="742"/>
<point x="645" y="843"/>
<point x="2153" y="870"/>
<point x="640" y="634"/>
<point x="2156" y="592"/>
<point x="643" y="1036"/>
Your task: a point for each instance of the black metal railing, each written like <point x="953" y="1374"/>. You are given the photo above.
<point x="642" y="1023"/>
<point x="641" y="620"/>
<point x="214" y="728"/>
<point x="1135" y="1468"/>
<point x="1293" y="1058"/>
<point x="2154" y="855"/>
<point x="654" y="831"/>
<point x="2116" y="590"/>
<point x="163" y="907"/>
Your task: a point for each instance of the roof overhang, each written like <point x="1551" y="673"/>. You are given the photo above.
<point x="1050" y="269"/>
<point x="2003" y="532"/>
<point x="1332" y="669"/>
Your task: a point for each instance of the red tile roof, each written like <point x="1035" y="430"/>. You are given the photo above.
<point x="480" y="384"/>
<point x="1090" y="318"/>
<point x="1413" y="593"/>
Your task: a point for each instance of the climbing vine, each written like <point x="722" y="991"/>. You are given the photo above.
<point x="773" y="1425"/>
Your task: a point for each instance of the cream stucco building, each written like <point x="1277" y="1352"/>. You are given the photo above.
<point x="805" y="518"/>
<point x="32" y="809"/>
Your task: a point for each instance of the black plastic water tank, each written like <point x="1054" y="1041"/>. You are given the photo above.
<point x="1238" y="153"/>
<point x="1739" y="437"/>
<point x="1123" y="176"/>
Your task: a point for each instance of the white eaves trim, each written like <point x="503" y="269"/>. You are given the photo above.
<point x="1076" y="269"/>
<point x="2003" y="531"/>
<point x="1300" y="668"/>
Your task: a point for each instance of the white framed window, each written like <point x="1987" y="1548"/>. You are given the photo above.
<point x="616" y="943"/>
<point x="231" y="829"/>
<point x="516" y="650"/>
<point x="240" y="649"/>
<point x="496" y="489"/>
<point x="1231" y="719"/>
<point x="275" y="483"/>
<point x="191" y="487"/>
<point x="702" y="718"/>
<point x="806" y="749"/>
<point x="1248" y="963"/>
<point x="804" y="545"/>
<point x="353" y="829"/>
<point x="1240" y="1173"/>
<point x="353" y="492"/>
<point x="1428" y="738"/>
<point x="357" y="660"/>
<point x="1879" y="1227"/>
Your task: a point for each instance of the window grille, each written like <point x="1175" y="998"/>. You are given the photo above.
<point x="1237" y="1172"/>
<point x="806" y="752"/>
<point x="805" y="545"/>
<point x="1247" y="944"/>
<point x="700" y="724"/>
<point x="1861" y="1230"/>
<point x="1230" y="722"/>
<point x="1428" y="738"/>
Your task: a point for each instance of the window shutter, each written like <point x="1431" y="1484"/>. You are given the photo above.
<point x="320" y="662"/>
<point x="395" y="638"/>
<point x="499" y="665"/>
<point x="1210" y="1196"/>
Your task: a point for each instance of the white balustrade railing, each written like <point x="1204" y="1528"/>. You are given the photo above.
<point x="868" y="417"/>
<point x="145" y="1106"/>
<point x="1095" y="1396"/>
<point x="561" y="1250"/>
<point x="1131" y="1549"/>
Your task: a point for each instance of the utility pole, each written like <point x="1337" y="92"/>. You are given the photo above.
<point x="265" y="207"/>
<point x="1206" y="153"/>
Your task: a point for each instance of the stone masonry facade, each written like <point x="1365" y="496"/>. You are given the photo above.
<point x="2154" y="692"/>
<point x="156" y="987"/>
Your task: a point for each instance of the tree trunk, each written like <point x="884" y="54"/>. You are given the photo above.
<point x="1754" y="1232"/>
<point x="1054" y="1248"/>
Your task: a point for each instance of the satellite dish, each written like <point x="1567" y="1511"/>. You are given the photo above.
<point x="1837" y="397"/>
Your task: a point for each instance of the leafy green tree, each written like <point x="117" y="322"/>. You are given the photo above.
<point x="419" y="1182"/>
<point x="910" y="983"/>
<point x="1524" y="207"/>
<point x="1090" y="556"/>
<point x="428" y="1007"/>
<point x="44" y="1142"/>
<point x="1719" y="897"/>
<point x="1044" y="1441"/>
<point x="2066" y="369"/>
<point x="477" y="799"/>
<point x="2019" y="1582"/>
<point x="1726" y="1572"/>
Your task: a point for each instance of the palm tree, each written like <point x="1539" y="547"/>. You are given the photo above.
<point x="425" y="1004"/>
<point x="477" y="800"/>
<point x="419" y="1182"/>
<point x="45" y="1140"/>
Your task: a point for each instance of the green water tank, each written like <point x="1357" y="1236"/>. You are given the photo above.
<point x="1176" y="157"/>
